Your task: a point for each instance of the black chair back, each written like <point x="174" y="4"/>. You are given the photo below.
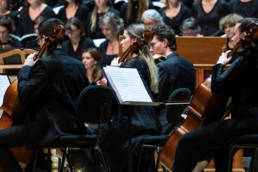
<point x="174" y="112"/>
<point x="95" y="104"/>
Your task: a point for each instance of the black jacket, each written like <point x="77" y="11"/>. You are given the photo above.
<point x="175" y="72"/>
<point x="240" y="81"/>
<point x="50" y="90"/>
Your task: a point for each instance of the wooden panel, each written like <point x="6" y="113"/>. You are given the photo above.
<point x="203" y="52"/>
<point x="200" y="50"/>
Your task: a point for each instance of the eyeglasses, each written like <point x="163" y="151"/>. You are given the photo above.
<point x="4" y="32"/>
<point x="149" y="24"/>
<point x="70" y="31"/>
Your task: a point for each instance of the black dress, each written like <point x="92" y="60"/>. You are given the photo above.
<point x="176" y="21"/>
<point x="134" y="13"/>
<point x="26" y="25"/>
<point x="97" y="33"/>
<point x="105" y="59"/>
<point x="84" y="44"/>
<point x="245" y="9"/>
<point x="209" y="22"/>
<point x="81" y="14"/>
<point x="144" y="121"/>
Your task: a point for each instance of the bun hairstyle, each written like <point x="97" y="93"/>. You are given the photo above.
<point x="141" y="48"/>
<point x="47" y="28"/>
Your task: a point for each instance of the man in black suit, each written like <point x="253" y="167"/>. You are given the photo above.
<point x="49" y="87"/>
<point x="174" y="72"/>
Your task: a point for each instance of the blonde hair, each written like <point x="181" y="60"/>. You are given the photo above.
<point x="230" y="19"/>
<point x="136" y="31"/>
<point x="95" y="14"/>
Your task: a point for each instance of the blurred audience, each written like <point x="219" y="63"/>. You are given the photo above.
<point x="151" y="18"/>
<point x="77" y="41"/>
<point x="131" y="12"/>
<point x="111" y="26"/>
<point x="101" y="7"/>
<point x="6" y="10"/>
<point x="190" y="27"/>
<point x="29" y="13"/>
<point x="6" y="28"/>
<point x="208" y="13"/>
<point x="31" y="40"/>
<point x="245" y="8"/>
<point x="174" y="13"/>
<point x="74" y="8"/>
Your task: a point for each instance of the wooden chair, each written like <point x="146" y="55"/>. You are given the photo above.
<point x="8" y="53"/>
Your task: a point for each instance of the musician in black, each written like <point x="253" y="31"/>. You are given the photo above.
<point x="144" y="120"/>
<point x="240" y="81"/>
<point x="49" y="88"/>
<point x="175" y="71"/>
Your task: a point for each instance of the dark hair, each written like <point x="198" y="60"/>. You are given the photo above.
<point x="246" y="23"/>
<point x="163" y="31"/>
<point x="76" y="22"/>
<point x="7" y="22"/>
<point x="77" y="2"/>
<point x="47" y="28"/>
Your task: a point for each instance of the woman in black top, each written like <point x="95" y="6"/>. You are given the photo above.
<point x="91" y="60"/>
<point x="227" y="24"/>
<point x="240" y="81"/>
<point x="208" y="13"/>
<point x="74" y="8"/>
<point x="174" y="13"/>
<point x="77" y="41"/>
<point x="245" y="8"/>
<point x="144" y="120"/>
<point x="29" y="13"/>
<point x="132" y="11"/>
<point x="100" y="8"/>
<point x="6" y="28"/>
<point x="111" y="26"/>
<point x="5" y="10"/>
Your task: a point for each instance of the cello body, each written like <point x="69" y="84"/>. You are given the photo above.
<point x="205" y="108"/>
<point x="13" y="112"/>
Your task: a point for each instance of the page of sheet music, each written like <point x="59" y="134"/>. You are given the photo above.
<point x="129" y="84"/>
<point x="4" y="84"/>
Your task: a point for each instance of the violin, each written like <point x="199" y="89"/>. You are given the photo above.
<point x="205" y="107"/>
<point x="14" y="110"/>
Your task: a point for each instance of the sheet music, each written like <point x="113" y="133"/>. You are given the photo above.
<point x="127" y="84"/>
<point x="4" y="84"/>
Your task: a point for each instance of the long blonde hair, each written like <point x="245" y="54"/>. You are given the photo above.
<point x="136" y="31"/>
<point x="95" y="14"/>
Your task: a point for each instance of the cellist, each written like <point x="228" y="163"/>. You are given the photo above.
<point x="240" y="81"/>
<point x="49" y="88"/>
<point x="144" y="120"/>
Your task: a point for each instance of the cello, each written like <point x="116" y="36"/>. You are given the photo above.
<point x="14" y="110"/>
<point x="205" y="107"/>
